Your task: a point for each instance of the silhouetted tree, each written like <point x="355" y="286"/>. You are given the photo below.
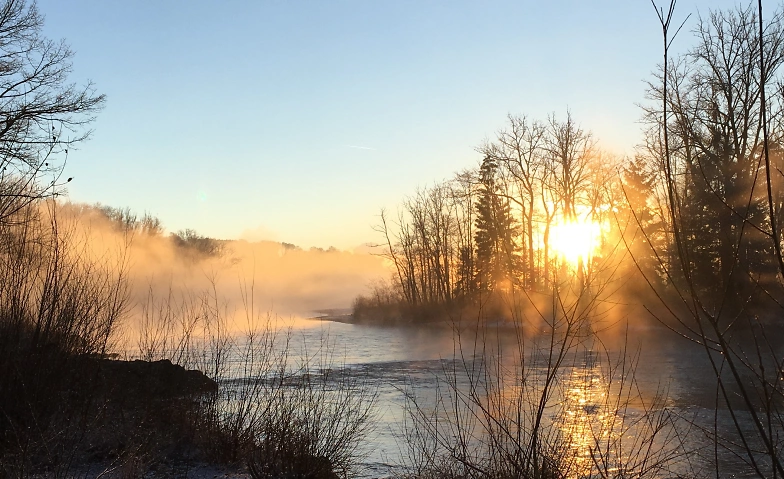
<point x="497" y="255"/>
<point x="518" y="149"/>
<point x="41" y="114"/>
<point x="638" y="219"/>
<point x="462" y="190"/>
<point x="150" y="225"/>
<point x="715" y="146"/>
<point x="129" y="222"/>
<point x="714" y="134"/>
<point x="191" y="241"/>
<point x="570" y="150"/>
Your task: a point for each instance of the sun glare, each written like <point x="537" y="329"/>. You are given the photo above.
<point x="575" y="240"/>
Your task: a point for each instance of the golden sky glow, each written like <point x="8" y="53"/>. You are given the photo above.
<point x="574" y="240"/>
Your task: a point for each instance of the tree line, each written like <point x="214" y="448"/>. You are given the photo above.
<point x="491" y="228"/>
<point x="494" y="229"/>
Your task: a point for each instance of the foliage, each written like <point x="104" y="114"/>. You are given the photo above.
<point x="127" y="221"/>
<point x="714" y="146"/>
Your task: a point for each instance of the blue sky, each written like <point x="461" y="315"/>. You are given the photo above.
<point x="298" y="121"/>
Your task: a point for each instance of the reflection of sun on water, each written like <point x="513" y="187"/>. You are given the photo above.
<point x="587" y="419"/>
<point x="584" y="421"/>
<point x="593" y="423"/>
<point x="575" y="240"/>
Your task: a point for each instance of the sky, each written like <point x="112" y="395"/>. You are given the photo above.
<point x="298" y="121"/>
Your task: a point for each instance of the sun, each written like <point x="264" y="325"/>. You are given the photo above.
<point x="575" y="240"/>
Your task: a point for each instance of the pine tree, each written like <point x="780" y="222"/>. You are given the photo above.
<point x="497" y="253"/>
<point x="638" y="219"/>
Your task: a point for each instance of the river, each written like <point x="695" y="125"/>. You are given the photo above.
<point x="646" y="370"/>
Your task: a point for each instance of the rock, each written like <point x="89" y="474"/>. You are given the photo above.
<point x="157" y="379"/>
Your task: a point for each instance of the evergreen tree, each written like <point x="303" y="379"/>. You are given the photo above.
<point x="497" y="255"/>
<point x="714" y="169"/>
<point x="638" y="220"/>
<point x="720" y="198"/>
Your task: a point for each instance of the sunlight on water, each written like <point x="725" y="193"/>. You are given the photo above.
<point x="593" y="417"/>
<point x="587" y="420"/>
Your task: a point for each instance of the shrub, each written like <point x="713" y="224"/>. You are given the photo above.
<point x="58" y="305"/>
<point x="283" y="417"/>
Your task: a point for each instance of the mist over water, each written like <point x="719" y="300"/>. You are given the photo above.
<point x="281" y="278"/>
<point x="552" y="309"/>
<point x="245" y="279"/>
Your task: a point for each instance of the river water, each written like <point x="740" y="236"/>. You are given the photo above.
<point x="663" y="375"/>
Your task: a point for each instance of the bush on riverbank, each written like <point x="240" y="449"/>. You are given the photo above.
<point x="63" y="405"/>
<point x="278" y="410"/>
<point x="385" y="305"/>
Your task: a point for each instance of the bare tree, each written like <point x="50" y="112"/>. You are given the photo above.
<point x="715" y="132"/>
<point x="570" y="149"/>
<point x="517" y="150"/>
<point x="42" y="115"/>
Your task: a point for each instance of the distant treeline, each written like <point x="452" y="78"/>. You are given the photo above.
<point x="126" y="221"/>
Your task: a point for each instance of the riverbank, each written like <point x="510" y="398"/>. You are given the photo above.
<point x="111" y="418"/>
